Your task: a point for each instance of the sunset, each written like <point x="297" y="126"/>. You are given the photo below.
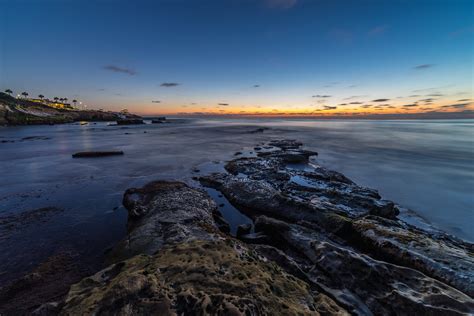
<point x="278" y="57"/>
<point x="236" y="157"/>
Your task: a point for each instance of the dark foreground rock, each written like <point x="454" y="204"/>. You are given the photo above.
<point x="186" y="266"/>
<point x="92" y="154"/>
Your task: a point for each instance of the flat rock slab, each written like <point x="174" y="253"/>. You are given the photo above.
<point x="95" y="154"/>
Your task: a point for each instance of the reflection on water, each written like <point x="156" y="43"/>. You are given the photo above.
<point x="233" y="216"/>
<point x="424" y="165"/>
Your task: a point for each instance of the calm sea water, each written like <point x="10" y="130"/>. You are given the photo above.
<point x="426" y="166"/>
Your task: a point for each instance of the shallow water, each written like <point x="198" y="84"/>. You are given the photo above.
<point x="423" y="165"/>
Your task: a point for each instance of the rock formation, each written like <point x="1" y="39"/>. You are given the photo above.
<point x="321" y="244"/>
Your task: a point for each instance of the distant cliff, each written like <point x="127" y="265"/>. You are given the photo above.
<point x="15" y="111"/>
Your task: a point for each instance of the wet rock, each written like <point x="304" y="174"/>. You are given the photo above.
<point x="259" y="130"/>
<point x="163" y="213"/>
<point x="159" y="120"/>
<point x="186" y="266"/>
<point x="344" y="238"/>
<point x="354" y="280"/>
<point x="130" y="121"/>
<point x="221" y="223"/>
<point x="243" y="229"/>
<point x="255" y="238"/>
<point x="35" y="138"/>
<point x="382" y="287"/>
<point x="93" y="154"/>
<point x="438" y="255"/>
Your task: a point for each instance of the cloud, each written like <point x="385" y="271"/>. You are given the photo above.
<point x="377" y="30"/>
<point x="428" y="100"/>
<point x="169" y="84"/>
<point x="321" y="96"/>
<point x="423" y="66"/>
<point x="456" y="106"/>
<point x="223" y="104"/>
<point x="156" y="101"/>
<point x="256" y="86"/>
<point x="114" y="68"/>
<point x="355" y="103"/>
<point x="380" y="100"/>
<point x="464" y="100"/>
<point x="280" y="4"/>
<point x="355" y="97"/>
<point x="435" y="95"/>
<point x="410" y="105"/>
<point x="327" y="107"/>
<point x="342" y="103"/>
<point x="366" y="106"/>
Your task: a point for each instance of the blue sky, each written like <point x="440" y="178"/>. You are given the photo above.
<point x="117" y="54"/>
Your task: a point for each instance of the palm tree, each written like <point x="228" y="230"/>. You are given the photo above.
<point x="9" y="91"/>
<point x="41" y="97"/>
<point x="74" y="102"/>
<point x="24" y="94"/>
<point x="65" y="100"/>
<point x="56" y="99"/>
<point x="61" y="99"/>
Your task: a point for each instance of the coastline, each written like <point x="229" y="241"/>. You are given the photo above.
<point x="14" y="112"/>
<point x="288" y="229"/>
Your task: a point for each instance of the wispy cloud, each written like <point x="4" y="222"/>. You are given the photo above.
<point x="280" y="4"/>
<point x="256" y="86"/>
<point x="410" y="105"/>
<point x="321" y="96"/>
<point x="327" y="107"/>
<point x="355" y="97"/>
<point x="223" y="104"/>
<point x="355" y="103"/>
<point x="380" y="100"/>
<point x="156" y="101"/>
<point x="456" y="106"/>
<point x="115" y="68"/>
<point x="169" y="84"/>
<point x="423" y="66"/>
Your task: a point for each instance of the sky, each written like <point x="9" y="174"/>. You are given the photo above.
<point x="243" y="57"/>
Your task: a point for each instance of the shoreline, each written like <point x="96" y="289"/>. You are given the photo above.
<point x="329" y="226"/>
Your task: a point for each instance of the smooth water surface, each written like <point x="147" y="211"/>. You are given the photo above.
<point x="423" y="165"/>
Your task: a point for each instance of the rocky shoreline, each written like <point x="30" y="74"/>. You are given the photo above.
<point x="320" y="244"/>
<point x="15" y="111"/>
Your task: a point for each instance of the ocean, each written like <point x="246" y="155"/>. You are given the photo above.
<point x="425" y="166"/>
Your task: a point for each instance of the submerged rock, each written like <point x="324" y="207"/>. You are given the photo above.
<point x="130" y="121"/>
<point x="93" y="154"/>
